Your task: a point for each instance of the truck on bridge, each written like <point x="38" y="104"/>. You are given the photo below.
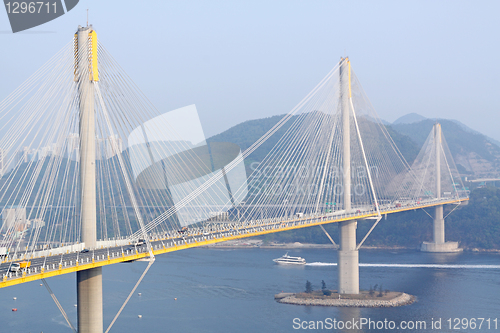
<point x="22" y="265"/>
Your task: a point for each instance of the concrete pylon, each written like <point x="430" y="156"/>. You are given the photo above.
<point x="438" y="244"/>
<point x="348" y="258"/>
<point x="89" y="282"/>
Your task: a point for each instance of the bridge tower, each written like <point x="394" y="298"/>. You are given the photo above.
<point x="348" y="255"/>
<point x="89" y="282"/>
<point x="438" y="244"/>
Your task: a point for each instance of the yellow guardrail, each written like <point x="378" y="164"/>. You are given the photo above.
<point x="43" y="274"/>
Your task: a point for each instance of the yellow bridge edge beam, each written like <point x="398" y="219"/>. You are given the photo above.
<point x="162" y="250"/>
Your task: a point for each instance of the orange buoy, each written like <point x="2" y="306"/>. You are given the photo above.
<point x="14" y="309"/>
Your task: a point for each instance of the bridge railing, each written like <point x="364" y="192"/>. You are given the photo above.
<point x="230" y="229"/>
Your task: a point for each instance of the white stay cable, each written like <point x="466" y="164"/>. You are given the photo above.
<point x="364" y="157"/>
<point x="379" y="217"/>
<point x="324" y="169"/>
<point x="236" y="161"/>
<point x="456" y="206"/>
<point x="151" y="261"/>
<point x="369" y="232"/>
<point x="59" y="305"/>
<point x="124" y="171"/>
<point x="450" y="173"/>
<point x="328" y="235"/>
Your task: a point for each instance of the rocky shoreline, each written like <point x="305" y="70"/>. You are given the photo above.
<point x="257" y="243"/>
<point x="401" y="300"/>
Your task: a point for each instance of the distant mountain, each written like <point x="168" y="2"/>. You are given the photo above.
<point x="409" y="119"/>
<point x="473" y="152"/>
<point x="474" y="226"/>
<point x="468" y="129"/>
<point x="246" y="133"/>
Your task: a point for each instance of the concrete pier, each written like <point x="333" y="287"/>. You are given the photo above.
<point x="438" y="244"/>
<point x="89" y="299"/>
<point x="89" y="282"/>
<point x="438" y="225"/>
<point x="348" y="258"/>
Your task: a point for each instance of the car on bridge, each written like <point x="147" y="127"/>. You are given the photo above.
<point x="140" y="242"/>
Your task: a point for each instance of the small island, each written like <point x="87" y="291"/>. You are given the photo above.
<point x="366" y="298"/>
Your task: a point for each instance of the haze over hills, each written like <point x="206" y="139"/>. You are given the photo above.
<point x="409" y="119"/>
<point x="246" y="133"/>
<point x="475" y="155"/>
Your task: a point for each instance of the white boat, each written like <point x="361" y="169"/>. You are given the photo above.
<point x="287" y="260"/>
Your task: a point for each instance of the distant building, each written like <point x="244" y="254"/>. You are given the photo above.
<point x="73" y="146"/>
<point x="109" y="147"/>
<point x="22" y="155"/>
<point x="14" y="217"/>
<point x="114" y="145"/>
<point x="43" y="152"/>
<point x="54" y="149"/>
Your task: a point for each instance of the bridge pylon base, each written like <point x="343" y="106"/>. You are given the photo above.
<point x="89" y="298"/>
<point x="348" y="259"/>
<point x="438" y="244"/>
<point x="446" y="247"/>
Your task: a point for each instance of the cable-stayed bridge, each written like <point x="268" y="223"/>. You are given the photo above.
<point x="48" y="262"/>
<point x="94" y="174"/>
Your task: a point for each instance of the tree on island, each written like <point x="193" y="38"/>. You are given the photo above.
<point x="325" y="291"/>
<point x="309" y="288"/>
<point x="371" y="292"/>
<point x="380" y="291"/>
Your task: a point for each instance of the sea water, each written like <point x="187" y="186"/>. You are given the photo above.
<point x="226" y="290"/>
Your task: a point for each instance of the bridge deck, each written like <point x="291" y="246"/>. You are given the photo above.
<point x="48" y="266"/>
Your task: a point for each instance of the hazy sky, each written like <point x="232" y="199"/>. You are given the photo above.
<point x="240" y="60"/>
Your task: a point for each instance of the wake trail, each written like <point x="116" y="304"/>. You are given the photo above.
<point x="452" y="266"/>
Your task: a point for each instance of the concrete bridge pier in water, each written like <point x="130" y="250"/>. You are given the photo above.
<point x="438" y="243"/>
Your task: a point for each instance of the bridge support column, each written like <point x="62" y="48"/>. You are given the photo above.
<point x="438" y="244"/>
<point x="89" y="282"/>
<point x="438" y="225"/>
<point x="89" y="295"/>
<point x="348" y="259"/>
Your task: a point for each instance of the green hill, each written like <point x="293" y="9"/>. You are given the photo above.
<point x="246" y="133"/>
<point x="474" y="154"/>
<point x="475" y="225"/>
